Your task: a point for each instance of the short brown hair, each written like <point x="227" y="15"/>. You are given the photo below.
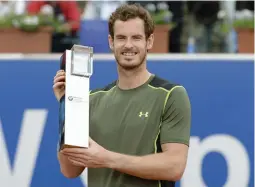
<point x="132" y="11"/>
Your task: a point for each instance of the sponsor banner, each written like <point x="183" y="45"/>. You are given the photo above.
<point x="221" y="95"/>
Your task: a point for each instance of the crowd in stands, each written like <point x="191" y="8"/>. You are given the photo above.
<point x="198" y="24"/>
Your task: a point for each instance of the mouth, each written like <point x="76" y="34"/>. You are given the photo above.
<point x="129" y="54"/>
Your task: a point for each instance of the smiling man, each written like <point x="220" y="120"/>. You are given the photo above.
<point x="140" y="123"/>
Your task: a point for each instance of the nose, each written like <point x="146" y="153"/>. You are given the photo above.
<point x="128" y="43"/>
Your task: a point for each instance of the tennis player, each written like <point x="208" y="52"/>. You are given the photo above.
<point x="140" y="123"/>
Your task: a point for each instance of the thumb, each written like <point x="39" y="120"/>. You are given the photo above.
<point x="91" y="142"/>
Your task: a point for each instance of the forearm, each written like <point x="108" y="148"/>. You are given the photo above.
<point x="67" y="168"/>
<point x="155" y="167"/>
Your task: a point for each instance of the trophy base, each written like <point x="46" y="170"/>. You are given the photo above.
<point x="70" y="146"/>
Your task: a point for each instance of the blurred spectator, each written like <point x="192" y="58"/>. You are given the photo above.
<point x="68" y="13"/>
<point x="175" y="7"/>
<point x="12" y="7"/>
<point x="204" y="17"/>
<point x="175" y="34"/>
<point x="241" y="5"/>
<point x="100" y="9"/>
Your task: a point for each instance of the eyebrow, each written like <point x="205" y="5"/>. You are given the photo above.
<point x="120" y="35"/>
<point x="136" y="35"/>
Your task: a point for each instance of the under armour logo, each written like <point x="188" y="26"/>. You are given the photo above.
<point x="146" y="114"/>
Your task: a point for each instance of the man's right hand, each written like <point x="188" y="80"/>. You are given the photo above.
<point x="68" y="169"/>
<point x="59" y="84"/>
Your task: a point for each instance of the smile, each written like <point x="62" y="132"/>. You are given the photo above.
<point x="129" y="54"/>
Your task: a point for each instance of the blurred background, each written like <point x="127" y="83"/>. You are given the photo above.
<point x="181" y="26"/>
<point x="207" y="46"/>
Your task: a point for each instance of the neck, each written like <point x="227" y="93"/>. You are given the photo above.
<point x="129" y="79"/>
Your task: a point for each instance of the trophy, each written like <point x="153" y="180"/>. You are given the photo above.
<point x="74" y="105"/>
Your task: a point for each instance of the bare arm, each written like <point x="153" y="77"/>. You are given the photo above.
<point x="168" y="165"/>
<point x="67" y="168"/>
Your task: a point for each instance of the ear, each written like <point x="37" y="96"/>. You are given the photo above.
<point x="110" y="40"/>
<point x="150" y="41"/>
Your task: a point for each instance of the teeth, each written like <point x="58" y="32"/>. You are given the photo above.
<point x="129" y="54"/>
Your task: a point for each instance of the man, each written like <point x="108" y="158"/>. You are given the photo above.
<point x="68" y="14"/>
<point x="139" y="124"/>
<point x="175" y="7"/>
<point x="203" y="19"/>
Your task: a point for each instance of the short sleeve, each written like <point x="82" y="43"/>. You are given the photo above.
<point x="176" y="119"/>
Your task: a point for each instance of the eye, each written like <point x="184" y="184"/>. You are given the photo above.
<point x="137" y="37"/>
<point x="120" y="37"/>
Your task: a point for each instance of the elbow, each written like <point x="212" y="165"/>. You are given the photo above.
<point x="175" y="174"/>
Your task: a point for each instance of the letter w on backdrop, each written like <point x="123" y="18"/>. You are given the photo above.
<point x="28" y="145"/>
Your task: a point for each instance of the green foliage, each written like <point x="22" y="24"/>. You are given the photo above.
<point x="30" y="23"/>
<point x="241" y="23"/>
<point x="6" y="22"/>
<point x="163" y="18"/>
<point x="244" y="23"/>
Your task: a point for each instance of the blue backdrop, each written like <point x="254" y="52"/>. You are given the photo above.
<point x="221" y="95"/>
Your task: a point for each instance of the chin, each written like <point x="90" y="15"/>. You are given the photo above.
<point x="128" y="66"/>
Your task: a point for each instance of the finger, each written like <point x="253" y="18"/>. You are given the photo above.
<point x="60" y="74"/>
<point x="74" y="150"/>
<point x="76" y="162"/>
<point x="82" y="160"/>
<point x="60" y="79"/>
<point x="75" y="155"/>
<point x="60" y="71"/>
<point x="59" y="85"/>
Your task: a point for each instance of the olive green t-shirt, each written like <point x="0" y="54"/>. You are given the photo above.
<point x="137" y="122"/>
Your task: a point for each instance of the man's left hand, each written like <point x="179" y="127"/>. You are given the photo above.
<point x="95" y="156"/>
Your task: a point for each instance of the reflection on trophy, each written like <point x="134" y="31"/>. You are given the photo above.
<point x="74" y="105"/>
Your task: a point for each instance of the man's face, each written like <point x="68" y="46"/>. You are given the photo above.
<point x="129" y="44"/>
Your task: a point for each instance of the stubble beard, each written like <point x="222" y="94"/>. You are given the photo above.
<point x="131" y="67"/>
